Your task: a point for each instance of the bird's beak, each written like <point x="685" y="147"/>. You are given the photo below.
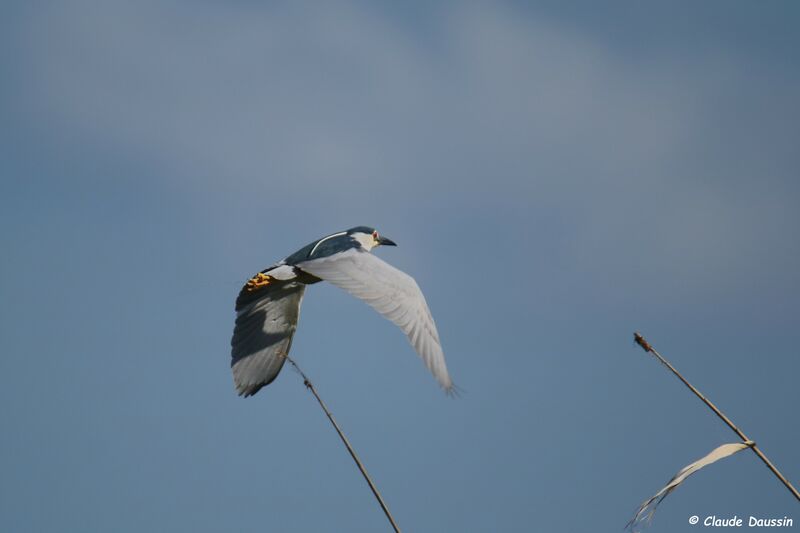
<point x="385" y="242"/>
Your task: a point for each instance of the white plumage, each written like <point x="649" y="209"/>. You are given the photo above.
<point x="268" y="306"/>
<point x="392" y="293"/>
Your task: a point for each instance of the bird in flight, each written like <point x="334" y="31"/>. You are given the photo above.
<point x="268" y="306"/>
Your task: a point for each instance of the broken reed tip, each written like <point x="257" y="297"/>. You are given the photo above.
<point x="642" y="342"/>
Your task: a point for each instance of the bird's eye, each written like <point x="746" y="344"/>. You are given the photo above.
<point x="375" y="235"/>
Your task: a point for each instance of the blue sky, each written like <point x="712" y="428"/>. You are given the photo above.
<point x="556" y="177"/>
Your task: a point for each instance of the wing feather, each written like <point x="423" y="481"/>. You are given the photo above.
<point x="265" y="324"/>
<point x="392" y="293"/>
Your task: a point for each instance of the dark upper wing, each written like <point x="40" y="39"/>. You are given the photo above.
<point x="266" y="319"/>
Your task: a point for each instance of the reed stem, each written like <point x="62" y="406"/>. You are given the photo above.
<point x="373" y="488"/>
<point x="647" y="347"/>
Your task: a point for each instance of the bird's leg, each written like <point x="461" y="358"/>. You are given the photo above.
<point x="258" y="281"/>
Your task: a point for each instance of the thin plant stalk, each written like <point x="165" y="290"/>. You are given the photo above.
<point x="373" y="488"/>
<point x="647" y="347"/>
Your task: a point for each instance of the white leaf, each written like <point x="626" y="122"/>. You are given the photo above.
<point x="648" y="507"/>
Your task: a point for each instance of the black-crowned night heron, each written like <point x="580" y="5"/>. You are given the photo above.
<point x="268" y="305"/>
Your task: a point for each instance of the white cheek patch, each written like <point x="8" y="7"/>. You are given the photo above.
<point x="366" y="240"/>
<point x="283" y="272"/>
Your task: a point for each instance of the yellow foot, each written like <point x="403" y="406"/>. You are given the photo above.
<point x="258" y="281"/>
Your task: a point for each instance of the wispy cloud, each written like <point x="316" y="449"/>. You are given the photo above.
<point x="496" y="108"/>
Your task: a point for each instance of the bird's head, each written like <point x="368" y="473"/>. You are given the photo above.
<point x="369" y="237"/>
